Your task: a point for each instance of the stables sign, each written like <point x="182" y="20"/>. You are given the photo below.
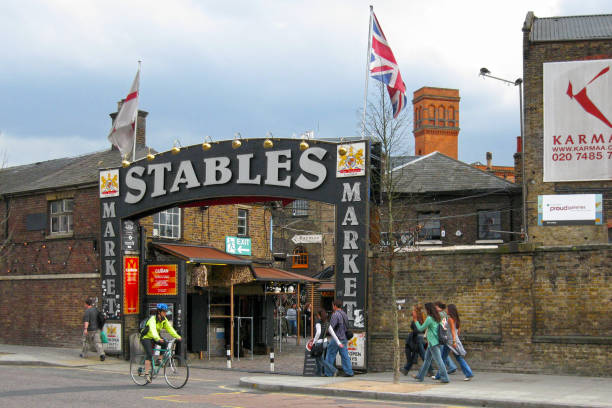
<point x="327" y="172"/>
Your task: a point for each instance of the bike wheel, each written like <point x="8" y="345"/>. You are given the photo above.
<point x="176" y="372"/>
<point x="137" y="369"/>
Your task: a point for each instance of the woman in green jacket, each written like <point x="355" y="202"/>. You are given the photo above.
<point x="433" y="345"/>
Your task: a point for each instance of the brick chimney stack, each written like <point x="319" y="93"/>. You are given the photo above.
<point x="518" y="161"/>
<point x="141" y="130"/>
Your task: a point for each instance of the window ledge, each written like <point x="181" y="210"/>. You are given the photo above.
<point x="489" y="241"/>
<point x="430" y="242"/>
<point x="58" y="236"/>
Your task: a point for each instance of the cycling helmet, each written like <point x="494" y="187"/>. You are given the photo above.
<point x="162" y="307"/>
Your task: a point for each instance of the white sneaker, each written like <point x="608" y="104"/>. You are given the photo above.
<point x="467" y="378"/>
<point x="433" y="377"/>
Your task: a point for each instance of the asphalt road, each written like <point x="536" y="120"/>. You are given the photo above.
<point x="50" y="387"/>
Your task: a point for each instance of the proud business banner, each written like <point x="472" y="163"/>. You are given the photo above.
<point x="578" y="120"/>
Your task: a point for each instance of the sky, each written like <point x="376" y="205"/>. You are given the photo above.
<point x="214" y="68"/>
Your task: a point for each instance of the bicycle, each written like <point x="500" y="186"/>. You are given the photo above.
<point x="176" y="369"/>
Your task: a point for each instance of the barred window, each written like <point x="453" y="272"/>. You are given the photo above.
<point x="489" y="224"/>
<point x="167" y="223"/>
<point x="61" y="216"/>
<point x="300" y="258"/>
<point x="300" y="208"/>
<point x="430" y="225"/>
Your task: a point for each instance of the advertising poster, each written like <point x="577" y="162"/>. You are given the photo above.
<point x="131" y="268"/>
<point x="570" y="209"/>
<point x="162" y="280"/>
<point x="356" y="351"/>
<point x="578" y="121"/>
<point x="113" y="333"/>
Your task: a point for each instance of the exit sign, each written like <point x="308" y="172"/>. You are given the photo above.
<point x="238" y="245"/>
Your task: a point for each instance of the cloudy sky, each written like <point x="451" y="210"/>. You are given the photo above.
<point x="219" y="67"/>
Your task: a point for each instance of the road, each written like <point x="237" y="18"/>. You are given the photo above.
<point x="51" y="387"/>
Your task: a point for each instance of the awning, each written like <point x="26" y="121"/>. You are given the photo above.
<point x="326" y="287"/>
<point x="274" y="274"/>
<point x="201" y="254"/>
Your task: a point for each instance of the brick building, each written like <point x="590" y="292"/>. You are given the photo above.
<point x="548" y="40"/>
<point x="436" y="121"/>
<point x="540" y="306"/>
<point x="51" y="260"/>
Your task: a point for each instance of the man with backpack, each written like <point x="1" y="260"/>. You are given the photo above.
<point x="91" y="330"/>
<point x="149" y="334"/>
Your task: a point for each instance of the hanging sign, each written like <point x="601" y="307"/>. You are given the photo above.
<point x="131" y="268"/>
<point x="162" y="280"/>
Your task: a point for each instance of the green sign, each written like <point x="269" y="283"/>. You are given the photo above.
<point x="238" y="246"/>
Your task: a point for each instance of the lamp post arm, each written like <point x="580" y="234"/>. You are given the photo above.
<point x="499" y="79"/>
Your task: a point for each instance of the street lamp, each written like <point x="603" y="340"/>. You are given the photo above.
<point x="518" y="82"/>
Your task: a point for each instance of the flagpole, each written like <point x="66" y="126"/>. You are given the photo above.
<point x="136" y="120"/>
<point x="367" y="75"/>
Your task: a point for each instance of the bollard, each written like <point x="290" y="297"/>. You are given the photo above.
<point x="272" y="360"/>
<point x="229" y="358"/>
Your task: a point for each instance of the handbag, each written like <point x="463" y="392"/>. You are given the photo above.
<point x="309" y="344"/>
<point x="103" y="337"/>
<point x="317" y="349"/>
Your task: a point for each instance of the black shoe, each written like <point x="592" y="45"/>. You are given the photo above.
<point x="102" y="357"/>
<point x="404" y="371"/>
<point x="81" y="355"/>
<point x="347" y="375"/>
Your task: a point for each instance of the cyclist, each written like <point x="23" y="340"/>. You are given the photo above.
<point x="155" y="323"/>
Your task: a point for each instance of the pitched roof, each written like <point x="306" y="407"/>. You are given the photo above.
<point x="437" y="173"/>
<point x="275" y="274"/>
<point x="60" y="173"/>
<point x="571" y="28"/>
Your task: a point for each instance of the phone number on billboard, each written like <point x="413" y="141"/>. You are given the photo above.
<point x="582" y="156"/>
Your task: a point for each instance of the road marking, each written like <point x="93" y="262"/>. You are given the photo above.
<point x="169" y="398"/>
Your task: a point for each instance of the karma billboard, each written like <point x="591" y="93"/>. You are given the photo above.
<point x="578" y="121"/>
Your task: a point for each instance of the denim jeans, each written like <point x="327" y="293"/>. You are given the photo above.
<point x="435" y="354"/>
<point x="332" y="349"/>
<point x="323" y="366"/>
<point x="292" y="327"/>
<point x="450" y="366"/>
<point x="421" y="351"/>
<point x="467" y="371"/>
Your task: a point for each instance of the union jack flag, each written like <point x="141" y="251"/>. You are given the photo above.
<point x="383" y="68"/>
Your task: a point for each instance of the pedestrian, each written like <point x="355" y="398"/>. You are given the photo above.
<point x="457" y="347"/>
<point x="431" y="324"/>
<point x="450" y="366"/>
<point x="292" y="319"/>
<point x="320" y="343"/>
<point x="415" y="343"/>
<point x="339" y="324"/>
<point x="91" y="331"/>
<point x="308" y="314"/>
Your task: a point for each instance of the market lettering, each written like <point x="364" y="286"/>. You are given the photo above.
<point x="350" y="193"/>
<point x="109" y="273"/>
<point x="217" y="171"/>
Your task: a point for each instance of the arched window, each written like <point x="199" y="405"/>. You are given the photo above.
<point x="441" y="116"/>
<point x="299" y="258"/>
<point x="451" y="116"/>
<point x="432" y="115"/>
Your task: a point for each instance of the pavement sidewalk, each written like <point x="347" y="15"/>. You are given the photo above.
<point x="486" y="389"/>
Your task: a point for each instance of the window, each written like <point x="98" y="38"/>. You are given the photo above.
<point x="61" y="216"/>
<point x="489" y="224"/>
<point x="299" y="258"/>
<point x="430" y="225"/>
<point x="300" y="208"/>
<point x="167" y="224"/>
<point x="243" y="222"/>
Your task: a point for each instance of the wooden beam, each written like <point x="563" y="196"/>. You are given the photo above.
<point x="232" y="321"/>
<point x="298" y="314"/>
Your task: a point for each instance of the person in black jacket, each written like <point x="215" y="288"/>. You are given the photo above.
<point x="415" y="344"/>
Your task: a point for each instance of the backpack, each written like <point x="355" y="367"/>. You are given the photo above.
<point x="101" y="319"/>
<point x="444" y="331"/>
<point x="143" y="327"/>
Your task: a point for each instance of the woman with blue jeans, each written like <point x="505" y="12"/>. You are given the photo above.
<point x="457" y="348"/>
<point x="433" y="348"/>
<point x="322" y="329"/>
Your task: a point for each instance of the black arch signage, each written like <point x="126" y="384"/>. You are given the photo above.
<point x="327" y="172"/>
